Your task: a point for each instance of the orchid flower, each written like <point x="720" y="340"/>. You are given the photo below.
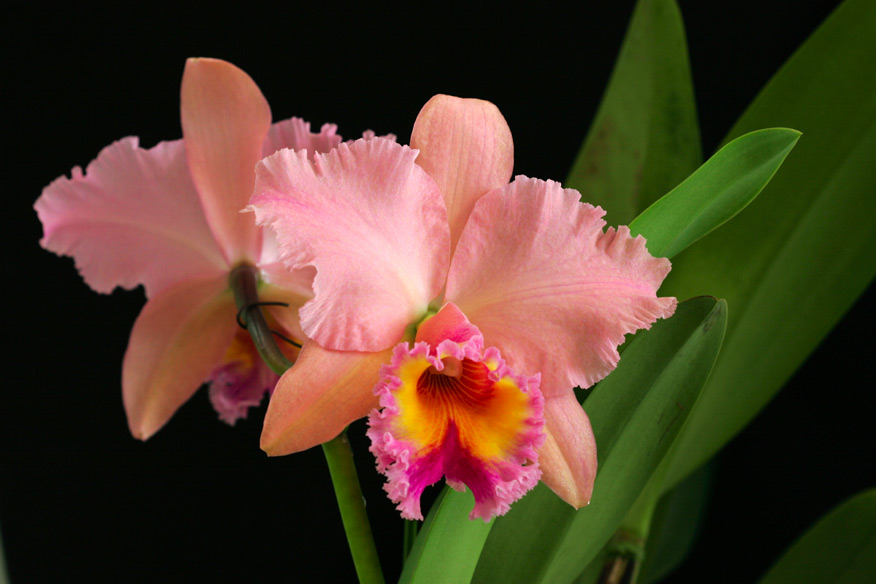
<point x="169" y="218"/>
<point x="510" y="292"/>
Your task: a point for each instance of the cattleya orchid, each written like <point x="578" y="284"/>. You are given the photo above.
<point x="512" y="293"/>
<point x="169" y="218"/>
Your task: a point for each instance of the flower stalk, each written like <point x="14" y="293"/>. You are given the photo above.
<point x="339" y="456"/>
<point x="244" y="284"/>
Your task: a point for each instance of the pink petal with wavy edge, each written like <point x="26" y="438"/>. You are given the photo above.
<point x="225" y="120"/>
<point x="320" y="396"/>
<point x="568" y="457"/>
<point x="180" y="337"/>
<point x="537" y="275"/>
<point x="457" y="411"/>
<point x="295" y="133"/>
<point x="130" y="207"/>
<point x="374" y="226"/>
<point x="466" y="146"/>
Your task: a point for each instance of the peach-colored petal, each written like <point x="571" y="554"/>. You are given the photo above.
<point x="535" y="272"/>
<point x="466" y="146"/>
<point x="295" y="133"/>
<point x="320" y="396"/>
<point x="180" y="337"/>
<point x="374" y="226"/>
<point x="130" y="207"/>
<point x="225" y="120"/>
<point x="568" y="457"/>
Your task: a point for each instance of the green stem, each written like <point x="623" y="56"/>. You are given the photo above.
<point x="338" y="454"/>
<point x="626" y="550"/>
<point x="244" y="283"/>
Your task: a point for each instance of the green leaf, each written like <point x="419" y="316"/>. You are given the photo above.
<point x="675" y="525"/>
<point x="449" y="543"/>
<point x="644" y="139"/>
<point x="840" y="548"/>
<point x="636" y="413"/>
<point x="717" y="191"/>
<point x="795" y="260"/>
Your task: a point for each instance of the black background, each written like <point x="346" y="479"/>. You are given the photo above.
<point x="80" y="497"/>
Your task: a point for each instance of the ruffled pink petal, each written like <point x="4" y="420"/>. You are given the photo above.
<point x="225" y="120"/>
<point x="320" y="396"/>
<point x="295" y="133"/>
<point x="466" y="146"/>
<point x="374" y="226"/>
<point x="241" y="381"/>
<point x="535" y="272"/>
<point x="457" y="411"/>
<point x="568" y="457"/>
<point x="130" y="207"/>
<point x="178" y="340"/>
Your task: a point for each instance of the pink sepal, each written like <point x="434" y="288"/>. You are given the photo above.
<point x="318" y="397"/>
<point x="466" y="146"/>
<point x="568" y="457"/>
<point x="225" y="119"/>
<point x="177" y="341"/>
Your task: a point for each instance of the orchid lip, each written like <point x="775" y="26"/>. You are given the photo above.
<point x="458" y="411"/>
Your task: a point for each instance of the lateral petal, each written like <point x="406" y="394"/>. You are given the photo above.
<point x="320" y="396"/>
<point x="225" y="119"/>
<point x="180" y="337"/>
<point x="129" y="207"/>
<point x="374" y="226"/>
<point x="535" y="272"/>
<point x="568" y="456"/>
<point x="466" y="146"/>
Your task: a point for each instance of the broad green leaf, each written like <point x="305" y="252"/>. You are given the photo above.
<point x="593" y="572"/>
<point x="636" y="413"/>
<point x="644" y="139"/>
<point x="718" y="190"/>
<point x="839" y="549"/>
<point x="675" y="525"/>
<point x="795" y="260"/>
<point x="448" y="545"/>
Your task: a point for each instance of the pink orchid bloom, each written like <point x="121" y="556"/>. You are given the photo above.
<point x="528" y="287"/>
<point x="169" y="218"/>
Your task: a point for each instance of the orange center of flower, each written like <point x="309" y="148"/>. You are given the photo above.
<point x="488" y="415"/>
